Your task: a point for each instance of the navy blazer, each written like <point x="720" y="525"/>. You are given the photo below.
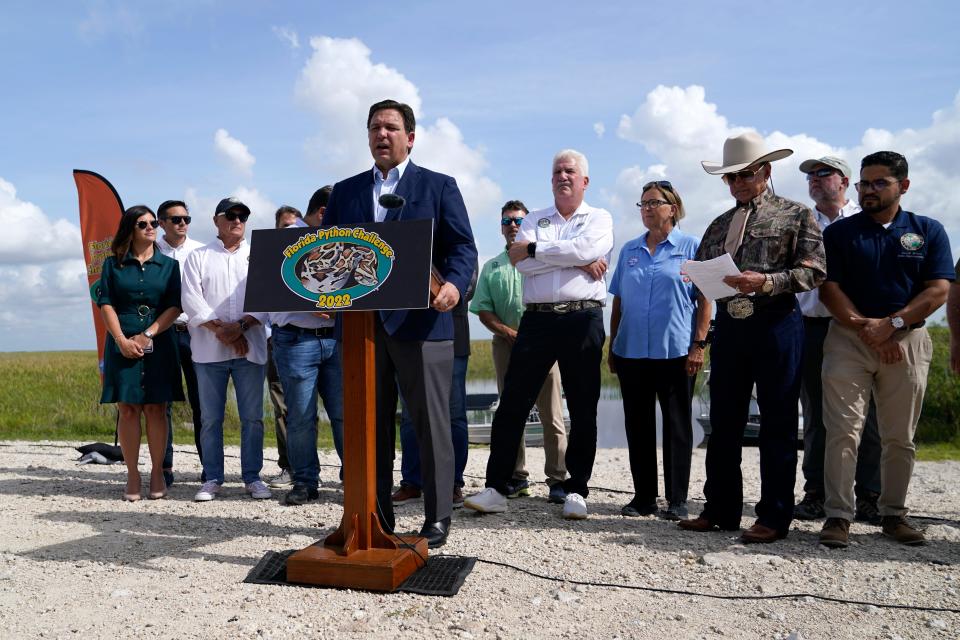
<point x="429" y="195"/>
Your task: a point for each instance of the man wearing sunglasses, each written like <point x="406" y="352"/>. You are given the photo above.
<point x="563" y="252"/>
<point x="758" y="338"/>
<point x="827" y="181"/>
<point x="227" y="343"/>
<point x="499" y="304"/>
<point x="175" y="220"/>
<point x="888" y="270"/>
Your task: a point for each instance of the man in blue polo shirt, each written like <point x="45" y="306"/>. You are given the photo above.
<point x="887" y="271"/>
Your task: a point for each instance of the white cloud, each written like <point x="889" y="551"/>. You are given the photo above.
<point x="233" y="152"/>
<point x="599" y="128"/>
<point x="679" y="128"/>
<point x="29" y="236"/>
<point x="203" y="205"/>
<point x="287" y="34"/>
<point x="339" y="83"/>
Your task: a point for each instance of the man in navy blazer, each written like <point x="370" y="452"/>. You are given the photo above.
<point x="413" y="348"/>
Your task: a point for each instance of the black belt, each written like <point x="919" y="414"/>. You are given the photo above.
<point x="781" y="303"/>
<point x="180" y="327"/>
<point x="564" y="307"/>
<point x="320" y="332"/>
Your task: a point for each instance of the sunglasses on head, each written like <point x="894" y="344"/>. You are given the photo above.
<point x="143" y="224"/>
<point x="233" y="215"/>
<point x="506" y="221"/>
<point x="660" y="184"/>
<point x="178" y="219"/>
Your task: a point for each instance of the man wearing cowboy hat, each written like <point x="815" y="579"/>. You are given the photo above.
<point x="758" y="338"/>
<point x="889" y="270"/>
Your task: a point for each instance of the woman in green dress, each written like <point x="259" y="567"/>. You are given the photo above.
<point x="139" y="298"/>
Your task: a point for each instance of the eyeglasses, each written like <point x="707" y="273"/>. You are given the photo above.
<point x="875" y="185"/>
<point x="233" y="215"/>
<point x="651" y="204"/>
<point x="143" y="224"/>
<point x="178" y="219"/>
<point x="506" y="221"/>
<point x="821" y="173"/>
<point x="746" y="175"/>
<point x="662" y="184"/>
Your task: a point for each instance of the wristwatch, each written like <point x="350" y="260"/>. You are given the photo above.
<point x="699" y="343"/>
<point x="149" y="334"/>
<point x="767" y="284"/>
<point x="897" y="322"/>
<point x="531" y="249"/>
<point x="243" y="324"/>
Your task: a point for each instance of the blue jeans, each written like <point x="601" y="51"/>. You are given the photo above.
<point x="248" y="381"/>
<point x="308" y="365"/>
<point x="410" y="452"/>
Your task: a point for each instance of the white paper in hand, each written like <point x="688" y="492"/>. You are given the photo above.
<point x="708" y="275"/>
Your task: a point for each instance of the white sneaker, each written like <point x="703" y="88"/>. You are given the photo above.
<point x="282" y="480"/>
<point x="487" y="501"/>
<point x="208" y="491"/>
<point x="258" y="490"/>
<point x="574" y="507"/>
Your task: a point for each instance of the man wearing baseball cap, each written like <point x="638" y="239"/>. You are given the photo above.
<point x="827" y="181"/>
<point x="227" y="343"/>
<point x="758" y="338"/>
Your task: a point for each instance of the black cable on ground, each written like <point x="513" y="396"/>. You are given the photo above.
<point x="718" y="596"/>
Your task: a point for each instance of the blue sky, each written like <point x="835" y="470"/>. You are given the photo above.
<point x="138" y="92"/>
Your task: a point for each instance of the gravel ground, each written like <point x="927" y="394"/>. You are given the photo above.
<point x="77" y="561"/>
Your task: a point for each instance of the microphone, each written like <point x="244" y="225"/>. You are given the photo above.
<point x="391" y="201"/>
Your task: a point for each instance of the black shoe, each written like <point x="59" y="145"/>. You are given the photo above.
<point x="518" y="489"/>
<point x="636" y="509"/>
<point x="301" y="494"/>
<point x="168" y="477"/>
<point x="810" y="508"/>
<point x="867" y="510"/>
<point x="436" y="533"/>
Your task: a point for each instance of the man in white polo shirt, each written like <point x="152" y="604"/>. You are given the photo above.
<point x="563" y="252"/>
<point x="227" y="343"/>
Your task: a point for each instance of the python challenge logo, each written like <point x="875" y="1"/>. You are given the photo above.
<point x="333" y="267"/>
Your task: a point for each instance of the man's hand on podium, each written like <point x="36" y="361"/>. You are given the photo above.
<point x="447" y="298"/>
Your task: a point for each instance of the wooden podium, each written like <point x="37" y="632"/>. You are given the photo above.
<point x="359" y="554"/>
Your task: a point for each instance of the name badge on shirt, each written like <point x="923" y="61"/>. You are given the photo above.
<point x="543" y="223"/>
<point x="632" y="262"/>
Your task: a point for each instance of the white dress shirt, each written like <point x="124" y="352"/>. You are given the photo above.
<point x="214" y="285"/>
<point x="810" y="304"/>
<point x="180" y="255"/>
<point x="383" y="185"/>
<point x="563" y="246"/>
<point x="302" y="319"/>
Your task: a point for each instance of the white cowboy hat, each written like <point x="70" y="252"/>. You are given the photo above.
<point x="739" y="152"/>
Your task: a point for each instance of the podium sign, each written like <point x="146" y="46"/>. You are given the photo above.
<point x="363" y="268"/>
<point x="375" y="266"/>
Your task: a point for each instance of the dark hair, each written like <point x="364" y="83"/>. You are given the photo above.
<point x="320" y="198"/>
<point x="409" y="122"/>
<point x="514" y="205"/>
<point x="890" y="159"/>
<point x="124" y="236"/>
<point x="169" y="204"/>
<point x="284" y="210"/>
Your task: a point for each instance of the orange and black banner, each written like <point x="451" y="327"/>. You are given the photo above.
<point x="100" y="212"/>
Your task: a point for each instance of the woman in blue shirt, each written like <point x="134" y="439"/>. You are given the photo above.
<point x="658" y="330"/>
<point x="139" y="298"/>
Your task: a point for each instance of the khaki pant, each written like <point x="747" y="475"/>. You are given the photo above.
<point x="851" y="370"/>
<point x="550" y="406"/>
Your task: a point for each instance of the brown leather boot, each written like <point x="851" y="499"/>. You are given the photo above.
<point x="835" y="533"/>
<point x="900" y="530"/>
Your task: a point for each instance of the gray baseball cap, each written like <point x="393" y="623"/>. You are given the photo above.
<point x="831" y="161"/>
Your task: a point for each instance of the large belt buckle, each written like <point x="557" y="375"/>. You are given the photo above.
<point x="143" y="311"/>
<point x="562" y="307"/>
<point x="740" y="308"/>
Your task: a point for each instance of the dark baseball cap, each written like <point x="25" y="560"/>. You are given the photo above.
<point x="228" y="204"/>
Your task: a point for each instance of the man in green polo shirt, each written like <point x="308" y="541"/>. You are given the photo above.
<point x="498" y="302"/>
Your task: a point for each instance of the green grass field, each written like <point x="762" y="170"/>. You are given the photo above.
<point x="55" y="396"/>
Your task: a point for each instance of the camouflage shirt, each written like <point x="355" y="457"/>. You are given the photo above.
<point x="781" y="238"/>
